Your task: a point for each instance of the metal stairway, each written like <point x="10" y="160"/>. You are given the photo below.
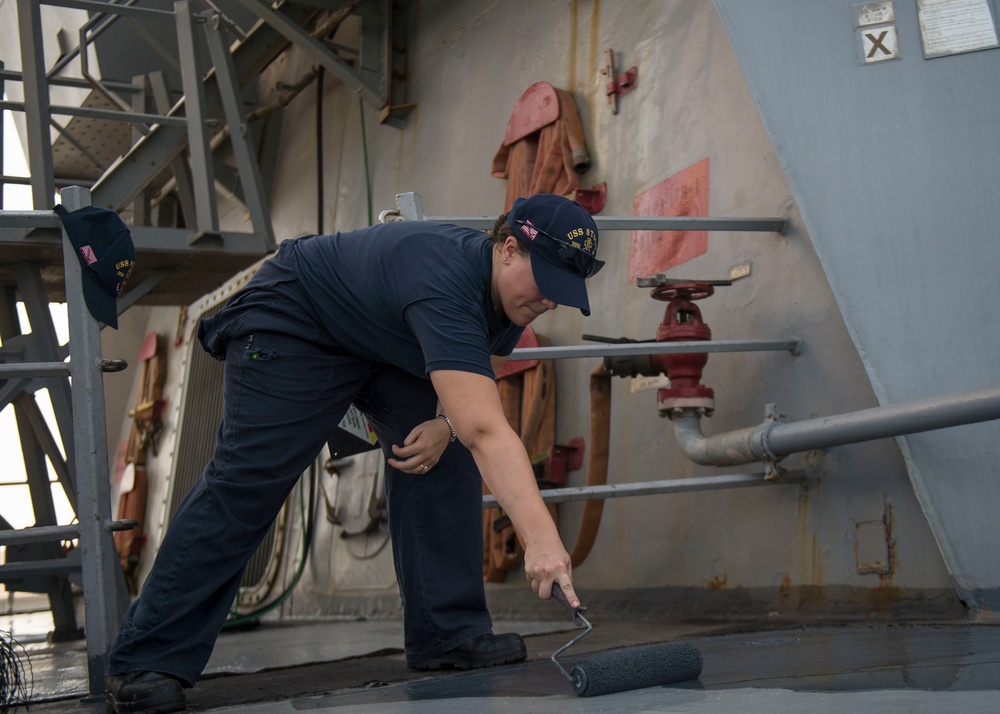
<point x="171" y="159"/>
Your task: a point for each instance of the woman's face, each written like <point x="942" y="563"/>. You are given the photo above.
<point x="516" y="290"/>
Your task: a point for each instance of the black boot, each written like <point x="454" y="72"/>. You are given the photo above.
<point x="144" y="693"/>
<point x="484" y="651"/>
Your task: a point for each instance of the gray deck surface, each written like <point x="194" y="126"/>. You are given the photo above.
<point x="349" y="667"/>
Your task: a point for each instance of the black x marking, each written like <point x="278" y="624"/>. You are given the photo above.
<point x="877" y="43"/>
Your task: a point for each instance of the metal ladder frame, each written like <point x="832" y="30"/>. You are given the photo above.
<point x="26" y="369"/>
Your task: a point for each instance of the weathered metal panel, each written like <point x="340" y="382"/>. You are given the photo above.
<point x="783" y="548"/>
<point x="894" y="168"/>
<point x="817" y="547"/>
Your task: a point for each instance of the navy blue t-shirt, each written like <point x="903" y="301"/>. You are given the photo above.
<point x="412" y="294"/>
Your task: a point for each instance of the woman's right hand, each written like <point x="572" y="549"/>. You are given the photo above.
<point x="548" y="566"/>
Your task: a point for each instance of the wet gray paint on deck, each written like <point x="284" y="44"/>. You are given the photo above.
<point x="817" y="669"/>
<point x="837" y="668"/>
<point x="744" y="701"/>
<point x="826" y="659"/>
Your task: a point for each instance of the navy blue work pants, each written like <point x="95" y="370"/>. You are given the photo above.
<point x="284" y="394"/>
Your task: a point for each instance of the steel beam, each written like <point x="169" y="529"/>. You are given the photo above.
<point x="28" y="219"/>
<point x="106" y="114"/>
<point x="148" y="158"/>
<point x="206" y="217"/>
<point x="39" y="568"/>
<point x="40" y="534"/>
<point x="180" y="168"/>
<point x="36" y="441"/>
<point x="3" y="141"/>
<point x="108" y="8"/>
<point x="66" y="81"/>
<point x="36" y="96"/>
<point x="375" y="49"/>
<point x="43" y="333"/>
<point x="315" y="50"/>
<point x="239" y="132"/>
<point x="162" y="240"/>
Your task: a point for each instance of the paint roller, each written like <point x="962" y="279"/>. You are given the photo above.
<point x="624" y="669"/>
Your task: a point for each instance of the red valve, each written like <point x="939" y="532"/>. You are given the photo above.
<point x="682" y="322"/>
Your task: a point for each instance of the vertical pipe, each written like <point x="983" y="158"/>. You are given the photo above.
<point x="101" y="571"/>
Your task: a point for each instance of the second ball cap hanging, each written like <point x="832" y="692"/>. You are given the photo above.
<point x="103" y="244"/>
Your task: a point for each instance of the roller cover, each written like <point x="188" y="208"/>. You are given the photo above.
<point x="635" y="668"/>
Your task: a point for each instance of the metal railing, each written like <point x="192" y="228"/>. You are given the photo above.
<point x="95" y="560"/>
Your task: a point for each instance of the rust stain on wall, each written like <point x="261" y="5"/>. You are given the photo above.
<point x="718" y="583"/>
<point x="683" y="194"/>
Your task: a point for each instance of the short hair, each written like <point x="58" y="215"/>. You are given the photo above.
<point x="501" y="231"/>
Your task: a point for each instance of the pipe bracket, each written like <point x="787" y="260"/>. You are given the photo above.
<point x="772" y="417"/>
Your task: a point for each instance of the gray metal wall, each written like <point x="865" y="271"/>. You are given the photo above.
<point x="894" y="168"/>
<point x="781" y="549"/>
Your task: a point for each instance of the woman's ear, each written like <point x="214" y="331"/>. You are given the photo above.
<point x="511" y="247"/>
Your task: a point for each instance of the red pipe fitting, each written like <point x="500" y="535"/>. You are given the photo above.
<point x="682" y="322"/>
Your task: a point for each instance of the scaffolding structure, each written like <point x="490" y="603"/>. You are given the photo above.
<point x="35" y="560"/>
<point x="150" y="152"/>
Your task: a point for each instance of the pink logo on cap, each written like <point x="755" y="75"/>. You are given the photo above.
<point x="88" y="254"/>
<point x="529" y="230"/>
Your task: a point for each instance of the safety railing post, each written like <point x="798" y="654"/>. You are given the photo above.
<point x="101" y="571"/>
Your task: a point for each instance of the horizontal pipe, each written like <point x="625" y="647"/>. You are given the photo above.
<point x="39" y="534"/>
<point x="968" y="407"/>
<point x="647" y="223"/>
<point x="650" y="488"/>
<point x="653" y="348"/>
<point x="690" y="223"/>
<point x="35" y="369"/>
<point x="773" y="439"/>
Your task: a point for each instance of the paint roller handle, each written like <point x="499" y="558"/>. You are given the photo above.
<point x="578" y="619"/>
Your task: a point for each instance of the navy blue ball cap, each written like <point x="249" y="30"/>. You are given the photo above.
<point x="563" y="241"/>
<point x="103" y="243"/>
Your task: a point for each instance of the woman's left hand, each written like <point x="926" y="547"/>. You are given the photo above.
<point x="422" y="448"/>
